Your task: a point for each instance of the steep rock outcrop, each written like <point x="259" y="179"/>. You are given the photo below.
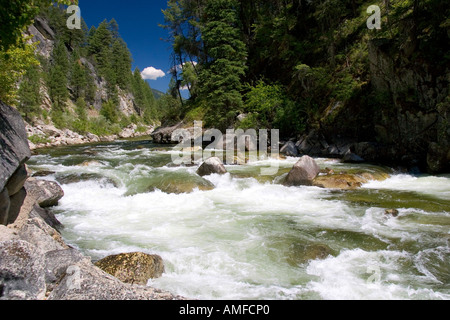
<point x="14" y="152"/>
<point x="36" y="264"/>
<point x="417" y="121"/>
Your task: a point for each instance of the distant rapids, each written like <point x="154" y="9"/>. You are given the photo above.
<point x="249" y="237"/>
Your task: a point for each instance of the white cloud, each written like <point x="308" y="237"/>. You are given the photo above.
<point x="151" y="73"/>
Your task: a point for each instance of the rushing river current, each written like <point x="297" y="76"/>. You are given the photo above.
<point x="246" y="236"/>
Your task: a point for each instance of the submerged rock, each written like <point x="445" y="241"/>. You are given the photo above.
<point x="180" y="187"/>
<point x="303" y="173"/>
<point x="211" y="166"/>
<point x="339" y="181"/>
<point x="133" y="268"/>
<point x="89" y="163"/>
<point x="347" y="181"/>
<point x="303" y="253"/>
<point x="78" y="177"/>
<point x="392" y="212"/>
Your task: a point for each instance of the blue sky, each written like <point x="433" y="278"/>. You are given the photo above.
<point x="138" y="25"/>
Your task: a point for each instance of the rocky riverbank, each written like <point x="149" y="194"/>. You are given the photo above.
<point x="47" y="136"/>
<point x="35" y="262"/>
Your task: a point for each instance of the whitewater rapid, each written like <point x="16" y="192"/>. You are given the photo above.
<point x="256" y="239"/>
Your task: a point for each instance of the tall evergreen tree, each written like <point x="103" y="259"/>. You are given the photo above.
<point x="78" y="80"/>
<point x="221" y="77"/>
<point x="121" y="63"/>
<point x="58" y="75"/>
<point x="29" y="95"/>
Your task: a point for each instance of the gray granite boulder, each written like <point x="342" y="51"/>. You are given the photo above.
<point x="303" y="173"/>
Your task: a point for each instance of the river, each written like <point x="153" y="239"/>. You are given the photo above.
<point x="243" y="236"/>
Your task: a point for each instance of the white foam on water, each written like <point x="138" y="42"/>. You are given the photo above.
<point x="218" y="244"/>
<point x="361" y="275"/>
<point x="430" y="185"/>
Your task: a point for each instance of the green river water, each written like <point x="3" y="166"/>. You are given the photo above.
<point x="246" y="236"/>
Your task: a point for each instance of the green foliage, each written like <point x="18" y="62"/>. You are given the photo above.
<point x="68" y="74"/>
<point x="14" y="64"/>
<point x="29" y="96"/>
<point x="99" y="126"/>
<point x="110" y="112"/>
<point x="196" y="114"/>
<point x="144" y="99"/>
<point x="221" y="77"/>
<point x="58" y="75"/>
<point x="315" y="51"/>
<point x="269" y="107"/>
<point x="59" y="117"/>
<point x="170" y="108"/>
<point x="78" y="79"/>
<point x="263" y="101"/>
<point x="38" y="139"/>
<point x="121" y="64"/>
<point x="16" y="15"/>
<point x="81" y="123"/>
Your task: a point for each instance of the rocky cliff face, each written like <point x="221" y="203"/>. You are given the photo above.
<point x="14" y="152"/>
<point x="44" y="36"/>
<point x="417" y="122"/>
<point x="405" y="124"/>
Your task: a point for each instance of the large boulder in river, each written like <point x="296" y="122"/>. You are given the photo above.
<point x="303" y="173"/>
<point x="211" y="166"/>
<point x="14" y="153"/>
<point x="133" y="268"/>
<point x="46" y="193"/>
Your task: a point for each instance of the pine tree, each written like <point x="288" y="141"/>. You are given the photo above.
<point x="138" y="91"/>
<point x="121" y="63"/>
<point x="78" y="80"/>
<point x="29" y="94"/>
<point x="221" y="77"/>
<point x="113" y="28"/>
<point x="150" y="112"/>
<point x="90" y="87"/>
<point x="81" y="124"/>
<point x="110" y="112"/>
<point x="58" y="75"/>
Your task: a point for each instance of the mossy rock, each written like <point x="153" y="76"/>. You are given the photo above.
<point x="173" y="183"/>
<point x="78" y="177"/>
<point x="348" y="181"/>
<point x="180" y="187"/>
<point x="133" y="268"/>
<point x="300" y="254"/>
